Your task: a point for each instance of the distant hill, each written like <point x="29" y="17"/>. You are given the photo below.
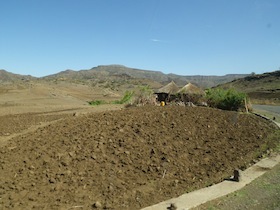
<point x="117" y="75"/>
<point x="118" y="79"/>
<point x="119" y="72"/>
<point x="7" y="77"/>
<point x="259" y="87"/>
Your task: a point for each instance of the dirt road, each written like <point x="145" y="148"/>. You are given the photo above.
<point x="269" y="108"/>
<point x="270" y="112"/>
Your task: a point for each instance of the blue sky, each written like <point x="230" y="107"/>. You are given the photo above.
<point x="185" y="37"/>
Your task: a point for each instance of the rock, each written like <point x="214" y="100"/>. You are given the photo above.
<point x="71" y="154"/>
<point x="93" y="157"/>
<point x="52" y="180"/>
<point x="236" y="175"/>
<point x="65" y="161"/>
<point x="172" y="207"/>
<point x="97" y="205"/>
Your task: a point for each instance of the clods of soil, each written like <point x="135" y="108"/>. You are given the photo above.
<point x="127" y="159"/>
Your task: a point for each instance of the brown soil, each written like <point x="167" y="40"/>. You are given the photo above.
<point x="262" y="193"/>
<point x="125" y="159"/>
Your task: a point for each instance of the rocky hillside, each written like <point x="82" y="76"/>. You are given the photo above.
<point x="7" y="77"/>
<point x="259" y="87"/>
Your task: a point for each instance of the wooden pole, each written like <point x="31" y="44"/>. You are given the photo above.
<point x="246" y="105"/>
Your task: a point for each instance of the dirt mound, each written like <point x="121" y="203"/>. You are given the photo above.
<point x="126" y="159"/>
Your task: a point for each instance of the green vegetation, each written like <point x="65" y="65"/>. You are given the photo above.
<point x="146" y="91"/>
<point x="126" y="98"/>
<point x="144" y="95"/>
<point x="225" y="99"/>
<point x="97" y="102"/>
<point x="261" y="88"/>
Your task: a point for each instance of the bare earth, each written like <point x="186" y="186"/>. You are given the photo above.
<point x="263" y="193"/>
<point x="68" y="155"/>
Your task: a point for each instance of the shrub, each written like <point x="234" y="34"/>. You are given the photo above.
<point x="126" y="98"/>
<point x="144" y="96"/>
<point x="225" y="99"/>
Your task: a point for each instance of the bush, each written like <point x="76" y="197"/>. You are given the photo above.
<point x="225" y="99"/>
<point x="126" y="98"/>
<point x="144" y="96"/>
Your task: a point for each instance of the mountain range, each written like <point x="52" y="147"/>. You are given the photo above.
<point x="117" y="79"/>
<point x="119" y="73"/>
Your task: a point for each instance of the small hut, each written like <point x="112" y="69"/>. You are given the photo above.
<point x="168" y="92"/>
<point x="190" y="93"/>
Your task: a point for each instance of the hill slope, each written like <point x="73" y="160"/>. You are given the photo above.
<point x="7" y="77"/>
<point x="119" y="72"/>
<point x="260" y="87"/>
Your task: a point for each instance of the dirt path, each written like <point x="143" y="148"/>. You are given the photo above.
<point x="273" y="109"/>
<point x="271" y="112"/>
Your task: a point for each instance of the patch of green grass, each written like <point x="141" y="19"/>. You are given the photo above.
<point x="126" y="98"/>
<point x="240" y="194"/>
<point x="211" y="208"/>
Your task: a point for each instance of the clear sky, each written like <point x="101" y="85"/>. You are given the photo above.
<point x="185" y="37"/>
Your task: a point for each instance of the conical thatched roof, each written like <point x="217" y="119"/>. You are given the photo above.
<point x="191" y="89"/>
<point x="170" y="88"/>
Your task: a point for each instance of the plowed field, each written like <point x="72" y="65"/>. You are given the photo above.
<point x="125" y="159"/>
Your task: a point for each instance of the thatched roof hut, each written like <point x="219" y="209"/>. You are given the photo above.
<point x="170" y="88"/>
<point x="171" y="92"/>
<point x="167" y="92"/>
<point x="191" y="90"/>
<point x="190" y="93"/>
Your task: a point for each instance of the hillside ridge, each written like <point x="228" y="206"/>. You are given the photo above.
<point x="120" y="72"/>
<point x="259" y="87"/>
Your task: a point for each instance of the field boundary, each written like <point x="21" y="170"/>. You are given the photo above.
<point x="277" y="125"/>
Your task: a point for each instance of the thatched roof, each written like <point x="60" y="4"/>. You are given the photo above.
<point x="191" y="89"/>
<point x="170" y="88"/>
